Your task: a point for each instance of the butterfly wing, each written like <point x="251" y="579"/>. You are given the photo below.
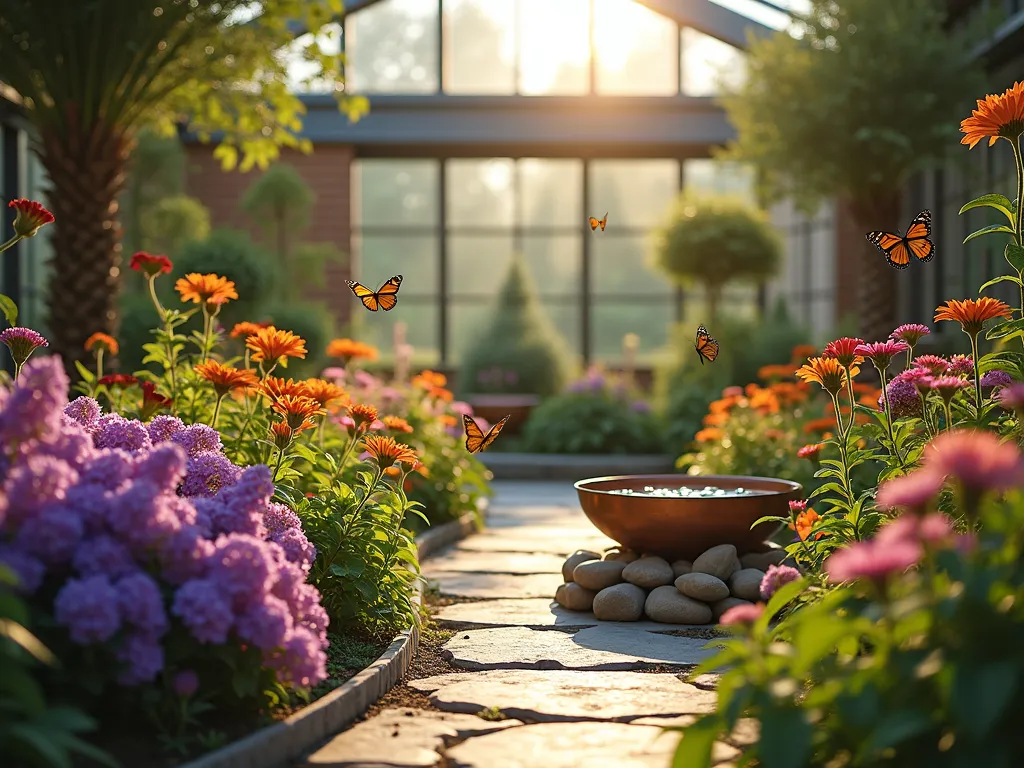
<point x="893" y="246"/>
<point x="604" y="222"/>
<point x="492" y="433"/>
<point x="474" y="435"/>
<point x="595" y="223"/>
<point x="387" y="294"/>
<point x="706" y="346"/>
<point x="365" y="295"/>
<point x="918" y="238"/>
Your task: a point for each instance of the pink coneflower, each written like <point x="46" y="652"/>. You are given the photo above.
<point x="960" y="365"/>
<point x="934" y="530"/>
<point x="937" y="365"/>
<point x="914" y="491"/>
<point x="775" y="577"/>
<point x="948" y="386"/>
<point x="845" y="351"/>
<point x="22" y="342"/>
<point x="797" y="507"/>
<point x="1012" y="397"/>
<point x="979" y="460"/>
<point x="881" y="353"/>
<point x="873" y="560"/>
<point x="911" y="333"/>
<point x="742" y="614"/>
<point x="333" y="373"/>
<point x="921" y="378"/>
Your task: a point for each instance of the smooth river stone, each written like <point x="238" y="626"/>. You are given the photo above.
<point x="574" y="597"/>
<point x="594" y="648"/>
<point x="560" y="695"/>
<point x="598" y="574"/>
<point x="648" y="572"/>
<point x="720" y="561"/>
<point x="761" y="560"/>
<point x="576" y="558"/>
<point x="622" y="555"/>
<point x="622" y="602"/>
<point x="667" y="605"/>
<point x="679" y="567"/>
<point x="746" y="584"/>
<point x="702" y="586"/>
<point x="535" y="612"/>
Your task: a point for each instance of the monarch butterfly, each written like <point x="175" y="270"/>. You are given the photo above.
<point x="385" y="297"/>
<point x="897" y="248"/>
<point x="706" y="346"/>
<point x="595" y="223"/>
<point x="476" y="440"/>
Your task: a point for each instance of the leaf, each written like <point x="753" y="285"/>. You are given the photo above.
<point x="9" y="308"/>
<point x="785" y="738"/>
<point x="1000" y="203"/>
<point x="895" y="728"/>
<point x="989" y="230"/>
<point x="1005" y="329"/>
<point x="1014" y="255"/>
<point x="979" y="694"/>
<point x="694" y="750"/>
<point x="87" y="375"/>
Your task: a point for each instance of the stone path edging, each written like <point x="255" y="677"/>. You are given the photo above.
<point x="279" y="744"/>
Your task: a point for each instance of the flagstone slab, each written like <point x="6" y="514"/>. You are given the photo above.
<point x="495" y="585"/>
<point x="536" y="613"/>
<point x="563" y="695"/>
<point x="592" y="648"/>
<point x="568" y="745"/>
<point x="401" y="738"/>
<point x="540" y="542"/>
<point x="513" y="517"/>
<point x="494" y="562"/>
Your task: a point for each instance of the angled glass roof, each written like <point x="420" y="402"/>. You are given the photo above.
<point x="771" y="13"/>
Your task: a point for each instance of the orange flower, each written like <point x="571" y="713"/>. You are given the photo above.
<point x="327" y="393"/>
<point x="709" y="435"/>
<point x="802" y="351"/>
<point x="281" y="435"/>
<point x="724" y="405"/>
<point x="716" y="419"/>
<point x="447" y="420"/>
<point x="826" y="371"/>
<point x="429" y="380"/>
<point x="764" y="401"/>
<point x="274" y="346"/>
<point x="205" y="289"/>
<point x="997" y="117"/>
<point x="392" y="471"/>
<point x="769" y="372"/>
<point x="276" y="388"/>
<point x="348" y="349"/>
<point x="972" y="313"/>
<point x="362" y="414"/>
<point x="396" y="424"/>
<point x="225" y="378"/>
<point x="297" y="410"/>
<point x="819" y="425"/>
<point x="247" y="329"/>
<point x="385" y="451"/>
<point x="104" y="342"/>
<point x="774" y="434"/>
<point x="442" y="394"/>
<point x="805" y="523"/>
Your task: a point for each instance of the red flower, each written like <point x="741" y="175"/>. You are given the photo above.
<point x="845" y="351"/>
<point x="152" y="401"/>
<point x="30" y="217"/>
<point x="150" y="264"/>
<point x="121" y="380"/>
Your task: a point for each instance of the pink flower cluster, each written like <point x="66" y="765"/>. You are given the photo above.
<point x="148" y="533"/>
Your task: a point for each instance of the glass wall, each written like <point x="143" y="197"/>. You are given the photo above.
<point x="530" y="47"/>
<point x="451" y="228"/>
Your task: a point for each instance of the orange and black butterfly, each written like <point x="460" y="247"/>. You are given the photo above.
<point x="385" y="297"/>
<point x="476" y="440"/>
<point x="595" y="223"/>
<point x="898" y="248"/>
<point x="706" y="346"/>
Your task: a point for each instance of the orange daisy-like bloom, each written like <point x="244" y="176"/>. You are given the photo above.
<point x="805" y="523"/>
<point x="102" y="342"/>
<point x="769" y="372"/>
<point x="429" y="380"/>
<point x="385" y="451"/>
<point x="297" y="410"/>
<point x="349" y="349"/>
<point x="396" y="424"/>
<point x="724" y="405"/>
<point x="826" y="371"/>
<point x="764" y="401"/>
<point x="225" y="378"/>
<point x="716" y="419"/>
<point x="972" y="313"/>
<point x="447" y="420"/>
<point x="205" y="289"/>
<point x="272" y="345"/>
<point x="327" y="393"/>
<point x="802" y="351"/>
<point x="361" y="413"/>
<point x="996" y="117"/>
<point x="442" y="394"/>
<point x="280" y="435"/>
<point x="709" y="435"/>
<point x="819" y="425"/>
<point x="276" y="388"/>
<point x="247" y="329"/>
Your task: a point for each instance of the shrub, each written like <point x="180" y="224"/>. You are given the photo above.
<point x="519" y="338"/>
<point x="174" y="221"/>
<point x="715" y="240"/>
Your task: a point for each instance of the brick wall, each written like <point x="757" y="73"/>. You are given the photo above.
<point x="326" y="170"/>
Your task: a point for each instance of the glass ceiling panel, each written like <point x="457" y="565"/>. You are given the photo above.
<point x="763" y="12"/>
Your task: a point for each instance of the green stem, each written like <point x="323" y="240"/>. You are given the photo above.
<point x="1018" y="224"/>
<point x="10" y="243"/>
<point x="348" y="523"/>
<point x="172" y="361"/>
<point x="280" y="461"/>
<point x="344" y="457"/>
<point x="888" y="418"/>
<point x="949" y="415"/>
<point x="17" y="370"/>
<point x="977" y="373"/>
<point x="216" y="412"/>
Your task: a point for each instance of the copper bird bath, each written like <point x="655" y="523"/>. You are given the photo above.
<point x="684" y="527"/>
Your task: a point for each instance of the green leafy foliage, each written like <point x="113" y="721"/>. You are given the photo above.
<point x="173" y="222"/>
<point x="592" y="422"/>
<point x="716" y="240"/>
<point x="519" y="337"/>
<point x="9" y="309"/>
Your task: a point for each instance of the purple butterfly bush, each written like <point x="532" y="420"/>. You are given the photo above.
<point x="135" y="537"/>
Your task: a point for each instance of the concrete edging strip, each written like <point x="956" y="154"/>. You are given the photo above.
<point x="277" y="745"/>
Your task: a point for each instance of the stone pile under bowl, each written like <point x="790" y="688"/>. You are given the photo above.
<point x="621" y="585"/>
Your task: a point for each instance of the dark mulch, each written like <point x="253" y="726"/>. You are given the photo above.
<point x="428" y="661"/>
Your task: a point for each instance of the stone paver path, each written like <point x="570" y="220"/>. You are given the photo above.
<point x="572" y="688"/>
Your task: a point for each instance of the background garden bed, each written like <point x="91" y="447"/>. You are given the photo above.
<point x="559" y="466"/>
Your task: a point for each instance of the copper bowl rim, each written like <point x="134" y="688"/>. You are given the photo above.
<point x="789" y="485"/>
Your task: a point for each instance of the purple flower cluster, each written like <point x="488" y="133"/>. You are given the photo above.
<point x="149" y="530"/>
<point x="593" y="381"/>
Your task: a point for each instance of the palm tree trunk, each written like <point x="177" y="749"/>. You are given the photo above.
<point x="86" y="166"/>
<point x="876" y="283"/>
